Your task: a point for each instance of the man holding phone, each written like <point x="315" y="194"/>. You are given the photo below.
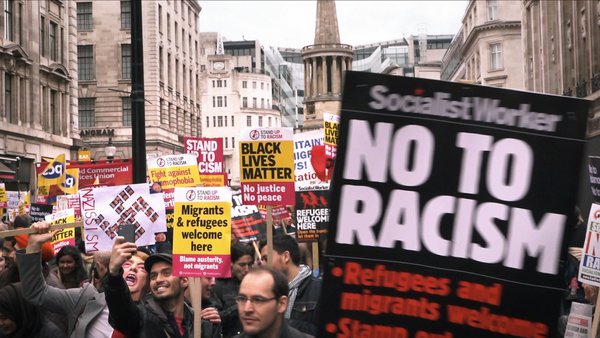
<point x="162" y="314"/>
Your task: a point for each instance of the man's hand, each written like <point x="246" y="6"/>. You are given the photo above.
<point x="41" y="235"/>
<point x="211" y="314"/>
<point x="121" y="252"/>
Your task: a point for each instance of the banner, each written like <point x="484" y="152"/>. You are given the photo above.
<point x="103" y="173"/>
<point x="312" y="215"/>
<point x="209" y="154"/>
<point x="63" y="237"/>
<point x="267" y="166"/>
<point x="2" y="196"/>
<point x="202" y="232"/>
<point x="331" y="124"/>
<point x="38" y="212"/>
<point x="589" y="265"/>
<point x="441" y="222"/>
<point x="70" y="184"/>
<point x="247" y="224"/>
<point x="64" y="202"/>
<point x="579" y="322"/>
<point x="167" y="172"/>
<point x="280" y="218"/>
<point x="306" y="178"/>
<point x="104" y="209"/>
<point x="53" y="173"/>
<point x="594" y="172"/>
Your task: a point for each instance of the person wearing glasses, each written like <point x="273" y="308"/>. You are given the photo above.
<point x="161" y="314"/>
<point x="262" y="302"/>
<point x="304" y="289"/>
<point x="226" y="289"/>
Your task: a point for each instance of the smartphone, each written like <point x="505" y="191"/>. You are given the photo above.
<point x="127" y="230"/>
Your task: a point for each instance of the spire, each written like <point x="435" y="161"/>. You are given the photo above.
<point x="326" y="31"/>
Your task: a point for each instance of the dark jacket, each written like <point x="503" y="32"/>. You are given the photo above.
<point x="286" y="332"/>
<point x="147" y="319"/>
<point x="224" y="293"/>
<point x="305" y="313"/>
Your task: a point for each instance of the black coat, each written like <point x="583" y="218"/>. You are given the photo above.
<point x="147" y="319"/>
<point x="305" y="313"/>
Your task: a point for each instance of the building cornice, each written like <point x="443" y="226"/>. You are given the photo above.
<point x="489" y="26"/>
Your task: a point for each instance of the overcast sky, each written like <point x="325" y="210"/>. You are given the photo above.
<point x="292" y="23"/>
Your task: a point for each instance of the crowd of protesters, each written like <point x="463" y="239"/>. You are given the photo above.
<point x="131" y="292"/>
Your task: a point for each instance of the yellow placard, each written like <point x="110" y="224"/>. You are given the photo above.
<point x="84" y="155"/>
<point x="267" y="161"/>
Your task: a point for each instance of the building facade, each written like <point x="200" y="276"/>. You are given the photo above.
<point x="38" y="81"/>
<point x="487" y="50"/>
<point x="236" y="93"/>
<point x="171" y="75"/>
<point x="562" y="51"/>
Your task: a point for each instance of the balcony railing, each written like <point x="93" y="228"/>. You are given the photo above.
<point x="327" y="46"/>
<point x="568" y="92"/>
<point x="581" y="90"/>
<point x="596" y="82"/>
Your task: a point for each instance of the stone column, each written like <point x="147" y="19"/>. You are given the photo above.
<point x="335" y="76"/>
<point x="313" y="78"/>
<point x="306" y="79"/>
<point x="325" y="74"/>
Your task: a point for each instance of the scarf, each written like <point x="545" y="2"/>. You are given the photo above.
<point x="304" y="273"/>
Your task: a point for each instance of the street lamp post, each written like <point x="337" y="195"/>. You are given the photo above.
<point x="110" y="150"/>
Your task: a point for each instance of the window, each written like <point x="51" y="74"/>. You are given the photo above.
<point x="84" y="16"/>
<point x="176" y="34"/>
<point x="244" y="84"/>
<point x="491" y="9"/>
<point x="53" y="41"/>
<point x="214" y="101"/>
<point x="248" y="121"/>
<point x="214" y="121"/>
<point x="85" y="62"/>
<point x="260" y="119"/>
<point x="208" y="121"/>
<point x="127" y="109"/>
<point x="54" y="112"/>
<point x="224" y="101"/>
<point x="8" y="95"/>
<point x="8" y="20"/>
<point x="269" y="119"/>
<point x="226" y="142"/>
<point x="225" y="120"/>
<point x="125" y="14"/>
<point x="160" y="64"/>
<point x="253" y="84"/>
<point x="168" y="26"/>
<point x="168" y="69"/>
<point x="244" y="102"/>
<point x="160" y="24"/>
<point x="219" y="121"/>
<point x="495" y="56"/>
<point x="219" y="101"/>
<point x="43" y="36"/>
<point x="262" y="103"/>
<point x="224" y="83"/>
<point x="87" y="112"/>
<point x="232" y="121"/>
<point x="262" y="85"/>
<point x="254" y="102"/>
<point x="233" y="142"/>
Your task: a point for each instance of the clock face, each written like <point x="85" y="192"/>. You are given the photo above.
<point x="218" y="65"/>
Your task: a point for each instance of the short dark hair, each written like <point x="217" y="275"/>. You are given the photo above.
<point x="283" y="243"/>
<point x="280" y="283"/>
<point x="240" y="249"/>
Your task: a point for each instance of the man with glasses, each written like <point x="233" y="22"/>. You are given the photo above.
<point x="261" y="303"/>
<point x="226" y="289"/>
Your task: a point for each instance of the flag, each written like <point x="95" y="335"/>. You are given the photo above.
<point x="54" y="173"/>
<point x="70" y="185"/>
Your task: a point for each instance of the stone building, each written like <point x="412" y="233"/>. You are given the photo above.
<point x="487" y="50"/>
<point x="38" y="82"/>
<point x="236" y="93"/>
<point x="324" y="63"/>
<point x="562" y="51"/>
<point x="171" y="75"/>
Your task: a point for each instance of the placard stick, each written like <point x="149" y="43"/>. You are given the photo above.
<point x="315" y="255"/>
<point x="596" y="319"/>
<point x="196" y="298"/>
<point x="25" y="231"/>
<point x="257" y="250"/>
<point x="269" y="234"/>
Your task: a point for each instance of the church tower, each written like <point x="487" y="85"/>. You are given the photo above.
<point x="324" y="63"/>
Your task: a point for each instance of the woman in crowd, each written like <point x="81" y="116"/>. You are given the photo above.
<point x="71" y="270"/>
<point x="20" y="319"/>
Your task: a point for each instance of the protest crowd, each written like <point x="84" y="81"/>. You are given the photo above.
<point x="131" y="292"/>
